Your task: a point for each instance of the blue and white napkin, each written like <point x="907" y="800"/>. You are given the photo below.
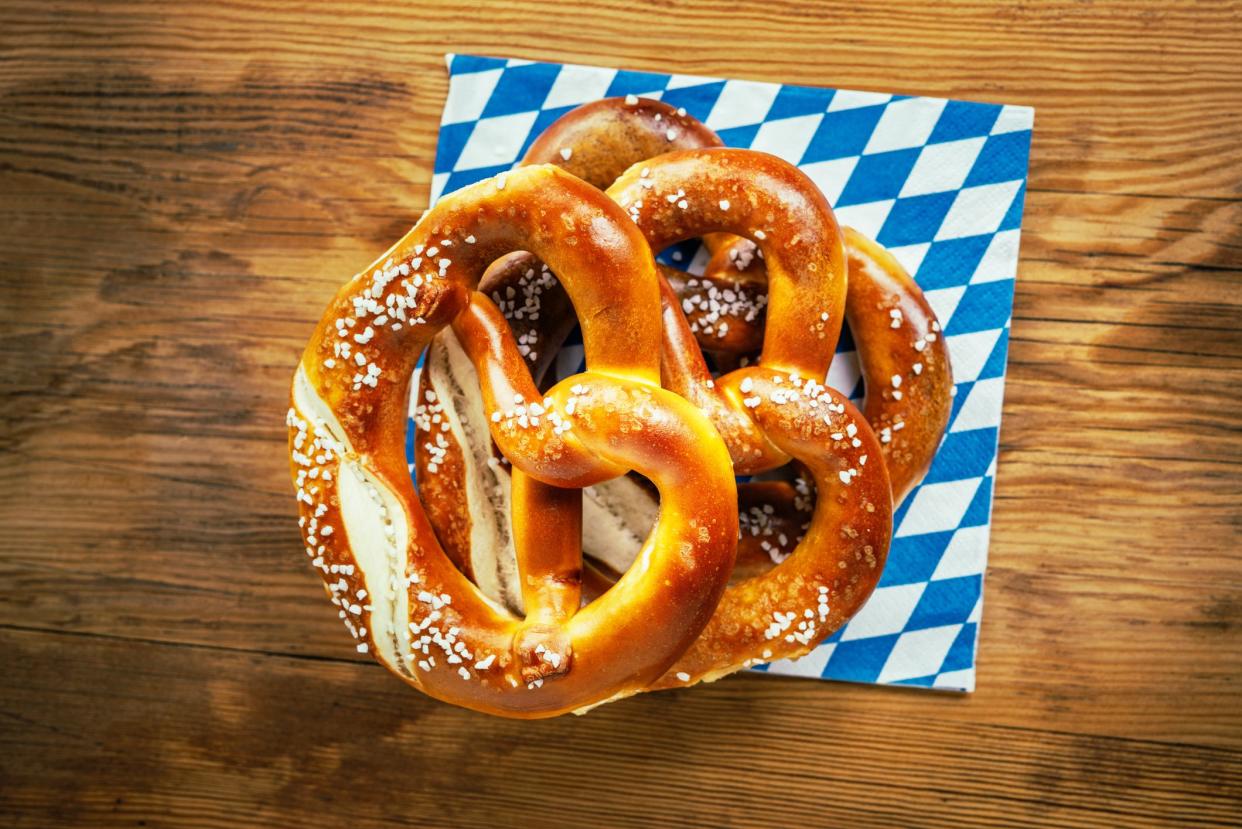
<point x="940" y="183"/>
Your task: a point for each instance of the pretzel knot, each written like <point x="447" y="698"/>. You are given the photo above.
<point x="363" y="523"/>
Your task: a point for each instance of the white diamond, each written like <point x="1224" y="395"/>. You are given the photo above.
<point x="966" y="555"/>
<point x="1013" y="119"/>
<point x="938" y="507"/>
<point x="886" y="612"/>
<point x="978" y="210"/>
<point x="942" y="167"/>
<point x="868" y="218"/>
<point x="742" y="103"/>
<point x="919" y="653"/>
<point x="577" y="85"/>
<point x="787" y="137"/>
<point x="969" y="352"/>
<point x="854" y="99"/>
<point x="1000" y="261"/>
<point x="944" y="302"/>
<point x="831" y="176"/>
<point x="496" y="141"/>
<point x="904" y="124"/>
<point x="982" y="409"/>
<point x="468" y="95"/>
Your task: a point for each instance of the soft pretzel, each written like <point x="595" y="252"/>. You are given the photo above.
<point x="362" y="522"/>
<point x="776" y="410"/>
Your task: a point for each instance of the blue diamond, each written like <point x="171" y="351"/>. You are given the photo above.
<point x="964" y="119"/>
<point x="860" y="660"/>
<point x="842" y="134"/>
<point x="521" y="89"/>
<point x="946" y="602"/>
<point x="878" y="177"/>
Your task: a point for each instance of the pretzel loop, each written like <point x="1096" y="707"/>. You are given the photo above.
<point x="367" y="532"/>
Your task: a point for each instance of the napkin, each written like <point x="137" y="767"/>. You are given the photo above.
<point x="940" y="183"/>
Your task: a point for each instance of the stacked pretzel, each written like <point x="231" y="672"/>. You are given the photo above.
<point x="577" y="540"/>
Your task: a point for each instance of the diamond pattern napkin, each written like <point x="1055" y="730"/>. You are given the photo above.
<point x="941" y="184"/>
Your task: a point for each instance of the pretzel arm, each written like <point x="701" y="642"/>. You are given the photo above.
<point x="547" y="531"/>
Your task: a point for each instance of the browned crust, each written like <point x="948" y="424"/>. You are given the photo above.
<point x="850" y="528"/>
<point x="836" y="564"/>
<point x="904" y="360"/>
<point x="605" y="137"/>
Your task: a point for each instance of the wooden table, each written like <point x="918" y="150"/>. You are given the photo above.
<point x="181" y="189"/>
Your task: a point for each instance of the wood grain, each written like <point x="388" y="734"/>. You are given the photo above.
<point x="182" y="187"/>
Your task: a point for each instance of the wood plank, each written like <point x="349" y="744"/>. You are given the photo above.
<point x="1130" y="100"/>
<point x="174" y="733"/>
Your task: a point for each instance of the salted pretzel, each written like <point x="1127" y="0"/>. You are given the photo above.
<point x="776" y="410"/>
<point x="366" y="531"/>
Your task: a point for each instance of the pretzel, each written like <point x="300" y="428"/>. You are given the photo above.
<point x="776" y="410"/>
<point x="367" y="532"/>
<point x="769" y="413"/>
